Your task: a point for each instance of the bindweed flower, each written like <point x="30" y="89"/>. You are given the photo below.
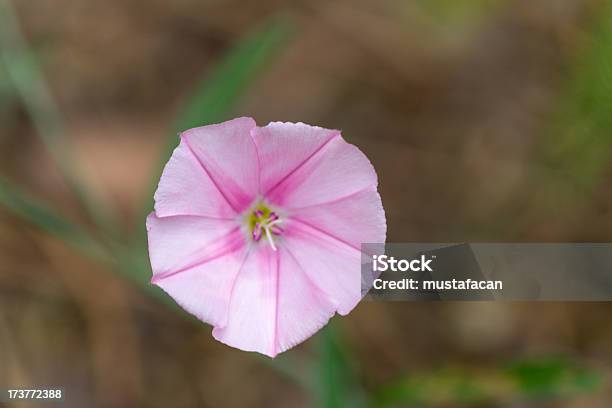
<point x="257" y="230"/>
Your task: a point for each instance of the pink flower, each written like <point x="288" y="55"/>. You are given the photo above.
<point x="257" y="230"/>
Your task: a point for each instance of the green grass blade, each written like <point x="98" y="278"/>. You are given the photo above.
<point x="336" y="384"/>
<point x="25" y="75"/>
<point x="47" y="220"/>
<point x="520" y="383"/>
<point x="217" y="94"/>
<point x="115" y="256"/>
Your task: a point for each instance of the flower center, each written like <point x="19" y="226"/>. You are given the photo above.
<point x="265" y="222"/>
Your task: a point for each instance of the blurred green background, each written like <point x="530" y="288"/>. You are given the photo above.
<point x="487" y="120"/>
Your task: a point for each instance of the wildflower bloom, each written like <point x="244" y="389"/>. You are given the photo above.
<point x="257" y="230"/>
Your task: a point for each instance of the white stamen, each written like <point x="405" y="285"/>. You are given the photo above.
<point x="269" y="236"/>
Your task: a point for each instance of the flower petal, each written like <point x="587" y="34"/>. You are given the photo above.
<point x="304" y="165"/>
<point x="205" y="290"/>
<point x="331" y="263"/>
<point x="178" y="243"/>
<point x="355" y="219"/>
<point x="186" y="189"/>
<point x="274" y="306"/>
<point x="227" y="154"/>
<point x="282" y="147"/>
<point x="196" y="260"/>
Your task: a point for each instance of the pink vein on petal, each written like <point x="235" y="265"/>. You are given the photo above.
<point x="231" y="292"/>
<point x="312" y="284"/>
<point x="275" y="336"/>
<point x="258" y="163"/>
<point x="208" y="173"/>
<point x="207" y="217"/>
<point x="302" y="163"/>
<point x="335" y="200"/>
<point x="217" y="253"/>
<point x="326" y="233"/>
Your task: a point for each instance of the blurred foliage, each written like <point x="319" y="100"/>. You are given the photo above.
<point x="24" y="73"/>
<point x="542" y="379"/>
<point x="47" y="220"/>
<point x="216" y="95"/>
<point x="7" y="94"/>
<point x="449" y="11"/>
<point x="579" y="143"/>
<point x="336" y="385"/>
<point x="551" y="377"/>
